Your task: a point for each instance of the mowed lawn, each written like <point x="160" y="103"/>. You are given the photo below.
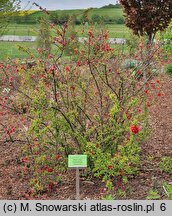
<point x="118" y="31"/>
<point x="115" y="30"/>
<point x="22" y="30"/>
<point x="11" y="49"/>
<point x="27" y="28"/>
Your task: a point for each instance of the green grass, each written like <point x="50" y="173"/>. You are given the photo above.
<point x="115" y="30"/>
<point x="25" y="29"/>
<point x="111" y="12"/>
<point x="21" y="30"/>
<point x="11" y="50"/>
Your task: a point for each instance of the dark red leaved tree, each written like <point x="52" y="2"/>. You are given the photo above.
<point x="146" y="17"/>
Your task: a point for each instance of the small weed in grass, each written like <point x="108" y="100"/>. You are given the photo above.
<point x="121" y="193"/>
<point x="108" y="197"/>
<point x="153" y="195"/>
<point x="166" y="164"/>
<point x="169" y="69"/>
<point x="168" y="190"/>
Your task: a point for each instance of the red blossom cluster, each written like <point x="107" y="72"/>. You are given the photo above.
<point x="134" y="129"/>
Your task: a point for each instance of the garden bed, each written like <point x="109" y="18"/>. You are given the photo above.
<point x="15" y="185"/>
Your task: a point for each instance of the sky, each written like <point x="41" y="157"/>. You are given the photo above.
<point x="64" y="4"/>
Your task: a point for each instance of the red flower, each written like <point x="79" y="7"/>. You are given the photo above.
<point x="134" y="129"/>
<point x="10" y="79"/>
<point x="110" y="167"/>
<point x="139" y="72"/>
<point x="159" y="94"/>
<point x="25" y="160"/>
<point x="152" y="85"/>
<point x="49" y="170"/>
<point x="58" y="157"/>
<point x="25" y="169"/>
<point x="147" y="104"/>
<point x="79" y="63"/>
<point x="72" y="88"/>
<point x="121" y="173"/>
<point x="40" y="50"/>
<point x="105" y="36"/>
<point x="50" y="56"/>
<point x="149" y="46"/>
<point x="37" y="153"/>
<point x="139" y="110"/>
<point x="91" y="35"/>
<point x="50" y="185"/>
<point x="106" y="115"/>
<point x="67" y="68"/>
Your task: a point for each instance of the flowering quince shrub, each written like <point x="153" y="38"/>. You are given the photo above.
<point x="88" y="105"/>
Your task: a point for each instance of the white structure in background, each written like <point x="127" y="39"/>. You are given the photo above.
<point x="117" y="41"/>
<point x="111" y="40"/>
<point x="15" y="38"/>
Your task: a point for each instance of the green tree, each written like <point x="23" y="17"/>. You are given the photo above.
<point x="7" y="9"/>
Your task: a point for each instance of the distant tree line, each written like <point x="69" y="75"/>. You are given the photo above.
<point x="95" y="18"/>
<point x="117" y="5"/>
<point x="62" y="18"/>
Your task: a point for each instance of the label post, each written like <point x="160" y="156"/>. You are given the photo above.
<point x="77" y="162"/>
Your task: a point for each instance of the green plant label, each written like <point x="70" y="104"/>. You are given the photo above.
<point x="77" y="161"/>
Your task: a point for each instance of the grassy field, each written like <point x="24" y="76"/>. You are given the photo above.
<point x="111" y="12"/>
<point x="115" y="30"/>
<point x="118" y="31"/>
<point x="25" y="29"/>
<point x="10" y="49"/>
<point x="21" y="30"/>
